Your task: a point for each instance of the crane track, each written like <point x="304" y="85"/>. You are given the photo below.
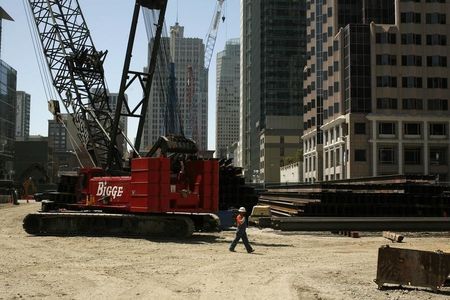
<point x="102" y="224"/>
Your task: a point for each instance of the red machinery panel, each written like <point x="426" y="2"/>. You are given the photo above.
<point x="150" y="184"/>
<point x="153" y="188"/>
<point x="109" y="191"/>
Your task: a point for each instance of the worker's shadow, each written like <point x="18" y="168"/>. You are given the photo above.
<point x="194" y="239"/>
<point x="199" y="239"/>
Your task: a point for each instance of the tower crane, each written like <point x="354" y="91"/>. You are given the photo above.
<point x="212" y="32"/>
<point x="210" y="42"/>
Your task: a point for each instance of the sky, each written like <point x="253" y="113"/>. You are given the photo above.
<point x="109" y="23"/>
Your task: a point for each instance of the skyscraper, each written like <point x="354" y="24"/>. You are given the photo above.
<point x="63" y="144"/>
<point x="123" y="123"/>
<point x="273" y="46"/>
<point x="227" y="97"/>
<point x="58" y="137"/>
<point x="188" y="56"/>
<point x="22" y="116"/>
<point x="376" y="86"/>
<point x="8" y="83"/>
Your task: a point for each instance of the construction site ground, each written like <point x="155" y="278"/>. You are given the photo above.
<point x="285" y="265"/>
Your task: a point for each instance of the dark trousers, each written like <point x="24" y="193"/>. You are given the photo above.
<point x="241" y="234"/>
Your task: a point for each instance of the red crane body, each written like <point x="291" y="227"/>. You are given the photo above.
<point x="153" y="188"/>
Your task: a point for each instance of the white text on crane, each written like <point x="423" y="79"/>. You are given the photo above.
<point x="113" y="191"/>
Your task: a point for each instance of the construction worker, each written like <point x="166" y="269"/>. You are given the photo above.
<point x="241" y="231"/>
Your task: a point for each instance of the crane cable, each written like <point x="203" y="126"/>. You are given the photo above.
<point x="45" y="74"/>
<point x="42" y="65"/>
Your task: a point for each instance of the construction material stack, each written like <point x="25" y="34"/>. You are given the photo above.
<point x="387" y="196"/>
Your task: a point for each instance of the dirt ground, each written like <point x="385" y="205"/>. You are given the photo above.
<point x="284" y="266"/>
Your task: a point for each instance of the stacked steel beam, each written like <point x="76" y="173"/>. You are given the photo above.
<point x="387" y="196"/>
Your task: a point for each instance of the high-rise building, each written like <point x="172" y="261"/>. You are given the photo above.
<point x="22" y="116"/>
<point x="8" y="83"/>
<point x="58" y="136"/>
<point x="273" y="46"/>
<point x="65" y="147"/>
<point x="188" y="56"/>
<point x="123" y="122"/>
<point x="227" y="97"/>
<point x="376" y="83"/>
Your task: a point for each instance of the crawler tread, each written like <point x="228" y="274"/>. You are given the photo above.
<point x="102" y="224"/>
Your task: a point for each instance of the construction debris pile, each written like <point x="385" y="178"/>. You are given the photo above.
<point x="386" y="196"/>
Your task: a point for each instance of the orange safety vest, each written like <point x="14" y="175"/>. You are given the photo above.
<point x="239" y="220"/>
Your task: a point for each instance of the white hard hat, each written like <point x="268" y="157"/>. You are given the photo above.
<point x="242" y="209"/>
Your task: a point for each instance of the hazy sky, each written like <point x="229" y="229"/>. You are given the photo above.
<point x="109" y="23"/>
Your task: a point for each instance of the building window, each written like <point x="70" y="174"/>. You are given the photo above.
<point x="326" y="159"/>
<point x="386" y="128"/>
<point x="385" y="38"/>
<point x="412" y="60"/>
<point x="336" y="108"/>
<point x="360" y="128"/>
<point x="386" y="155"/>
<point x="436" y="39"/>
<point x="335" y="45"/>
<point x="411" y="39"/>
<point x="436" y="61"/>
<point x="438" y="129"/>
<point x="411" y="128"/>
<point x="435" y="18"/>
<point x="410" y="17"/>
<point x="412" y="156"/>
<point x="438" y="104"/>
<point x="336" y="87"/>
<point x="386" y="59"/>
<point x="412" y="103"/>
<point x="386" y="103"/>
<point x="336" y="66"/>
<point x="330" y="31"/>
<point x="438" y="156"/>
<point x="386" y="81"/>
<point x="437" y="83"/>
<point x="411" y="82"/>
<point x="360" y="155"/>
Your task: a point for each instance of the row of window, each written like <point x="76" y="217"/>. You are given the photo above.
<point x="411" y="155"/>
<point x="428" y="1"/>
<point x="411" y="60"/>
<point x="387" y="155"/>
<point x="389" y="128"/>
<point x="410" y="128"/>
<point x="411" y="39"/>
<point x="412" y="82"/>
<point x="415" y="17"/>
<point x="412" y="103"/>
